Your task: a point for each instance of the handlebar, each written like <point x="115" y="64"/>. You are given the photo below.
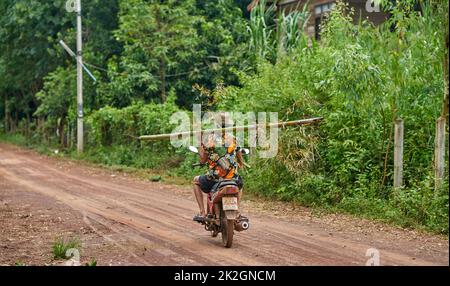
<point x="198" y="165"/>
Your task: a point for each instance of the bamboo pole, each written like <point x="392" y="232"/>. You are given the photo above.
<point x="234" y="128"/>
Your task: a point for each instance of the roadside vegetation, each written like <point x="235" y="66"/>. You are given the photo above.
<point x="61" y="246"/>
<point x="359" y="77"/>
<point x="64" y="249"/>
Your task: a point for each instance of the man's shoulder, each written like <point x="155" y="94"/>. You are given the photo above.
<point x="230" y="138"/>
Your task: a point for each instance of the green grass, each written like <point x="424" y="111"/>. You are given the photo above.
<point x="60" y="247"/>
<point x="91" y="263"/>
<point x="422" y="210"/>
<point x="16" y="139"/>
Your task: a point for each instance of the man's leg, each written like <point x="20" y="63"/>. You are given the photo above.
<point x="241" y="190"/>
<point x="199" y="196"/>
<point x="239" y="198"/>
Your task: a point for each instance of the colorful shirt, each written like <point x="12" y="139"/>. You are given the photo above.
<point x="221" y="156"/>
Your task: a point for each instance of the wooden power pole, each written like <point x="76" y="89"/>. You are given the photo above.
<point x="398" y="153"/>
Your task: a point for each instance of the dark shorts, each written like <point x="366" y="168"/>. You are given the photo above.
<point x="207" y="184"/>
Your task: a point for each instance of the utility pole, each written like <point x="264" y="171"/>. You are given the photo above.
<point x="80" y="137"/>
<point x="75" y="6"/>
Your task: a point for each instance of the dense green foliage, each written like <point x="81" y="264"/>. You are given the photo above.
<point x="174" y="45"/>
<point x="360" y="79"/>
<point x="154" y="58"/>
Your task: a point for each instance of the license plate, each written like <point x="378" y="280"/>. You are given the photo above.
<point x="229" y="203"/>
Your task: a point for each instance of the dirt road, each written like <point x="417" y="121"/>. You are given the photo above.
<point x="151" y="222"/>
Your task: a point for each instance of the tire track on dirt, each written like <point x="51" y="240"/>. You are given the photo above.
<point x="171" y="226"/>
<point x="158" y="218"/>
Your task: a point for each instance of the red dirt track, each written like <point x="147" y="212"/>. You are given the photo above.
<point x="133" y="214"/>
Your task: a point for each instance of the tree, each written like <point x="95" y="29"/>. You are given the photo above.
<point x="26" y="27"/>
<point x="174" y="45"/>
<point x="57" y="96"/>
<point x="158" y="37"/>
<point x="29" y="35"/>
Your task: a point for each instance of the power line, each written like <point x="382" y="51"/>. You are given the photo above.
<point x="167" y="76"/>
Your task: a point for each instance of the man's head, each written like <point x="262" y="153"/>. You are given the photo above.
<point x="220" y="120"/>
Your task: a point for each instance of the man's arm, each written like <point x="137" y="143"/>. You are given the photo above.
<point x="203" y="155"/>
<point x="240" y="159"/>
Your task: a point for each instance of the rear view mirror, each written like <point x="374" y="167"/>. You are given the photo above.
<point x="193" y="149"/>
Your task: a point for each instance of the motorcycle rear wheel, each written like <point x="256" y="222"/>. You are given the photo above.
<point x="227" y="227"/>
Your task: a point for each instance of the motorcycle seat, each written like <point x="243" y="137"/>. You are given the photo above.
<point x="223" y="183"/>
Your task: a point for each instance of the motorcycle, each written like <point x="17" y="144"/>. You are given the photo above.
<point x="223" y="209"/>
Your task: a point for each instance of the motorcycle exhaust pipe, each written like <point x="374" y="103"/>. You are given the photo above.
<point x="242" y="225"/>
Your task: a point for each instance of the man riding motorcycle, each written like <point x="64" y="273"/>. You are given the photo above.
<point x="224" y="147"/>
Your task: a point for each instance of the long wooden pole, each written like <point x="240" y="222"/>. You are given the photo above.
<point x="234" y="128"/>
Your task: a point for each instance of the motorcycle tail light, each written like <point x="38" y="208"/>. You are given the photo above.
<point x="231" y="190"/>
